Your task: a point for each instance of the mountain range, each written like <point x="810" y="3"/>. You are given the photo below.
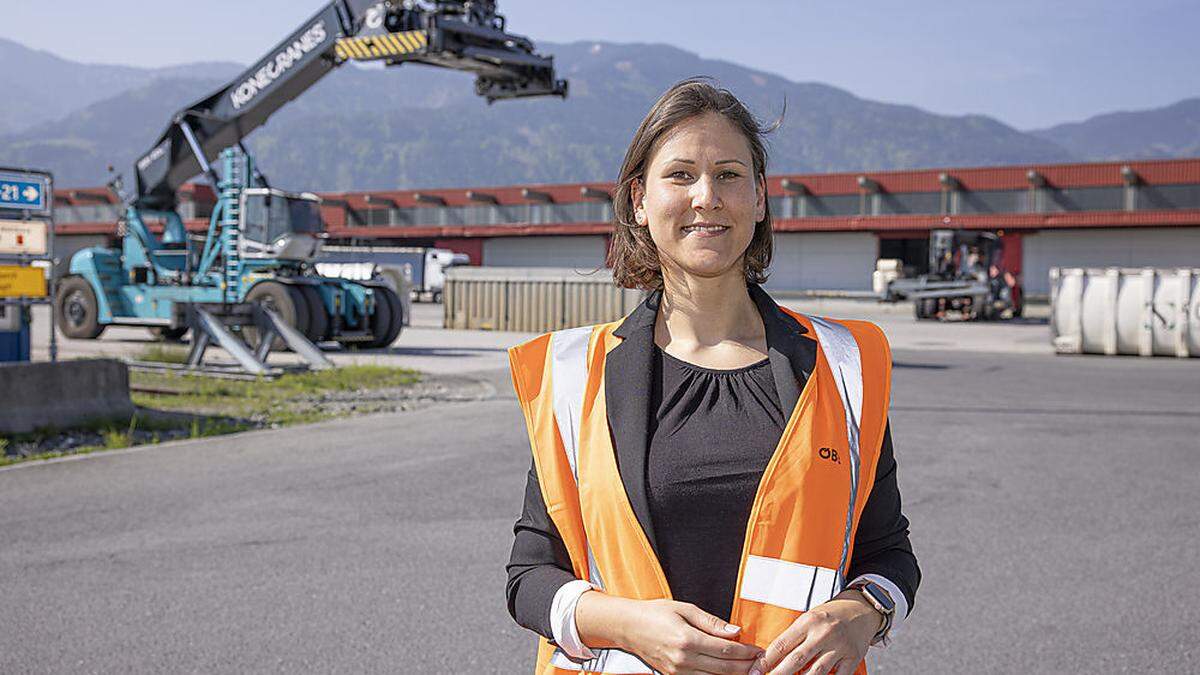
<point x="420" y="127"/>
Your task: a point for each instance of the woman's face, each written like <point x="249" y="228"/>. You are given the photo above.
<point x="701" y="198"/>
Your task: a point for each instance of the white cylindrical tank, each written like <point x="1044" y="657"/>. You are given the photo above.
<point x="1147" y="312"/>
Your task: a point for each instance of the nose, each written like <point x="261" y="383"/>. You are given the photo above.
<point x="704" y="194"/>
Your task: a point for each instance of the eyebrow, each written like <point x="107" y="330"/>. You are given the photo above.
<point x="723" y="161"/>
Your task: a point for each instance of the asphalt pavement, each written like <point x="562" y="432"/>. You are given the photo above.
<point x="1053" y="503"/>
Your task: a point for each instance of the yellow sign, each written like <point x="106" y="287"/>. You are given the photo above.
<point x="16" y="282"/>
<point x="23" y="236"/>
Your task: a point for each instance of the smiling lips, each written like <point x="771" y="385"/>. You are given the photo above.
<point x="705" y="230"/>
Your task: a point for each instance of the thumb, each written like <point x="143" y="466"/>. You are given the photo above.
<point x="708" y="623"/>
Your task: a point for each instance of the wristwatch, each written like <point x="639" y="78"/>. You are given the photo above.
<point x="882" y="601"/>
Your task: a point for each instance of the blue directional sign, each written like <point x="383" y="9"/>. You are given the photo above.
<point x="24" y="191"/>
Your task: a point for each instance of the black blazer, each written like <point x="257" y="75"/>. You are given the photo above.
<point x="539" y="564"/>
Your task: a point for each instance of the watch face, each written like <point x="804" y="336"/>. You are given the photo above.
<point x="881" y="596"/>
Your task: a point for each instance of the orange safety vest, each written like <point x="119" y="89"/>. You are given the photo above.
<point x="799" y="538"/>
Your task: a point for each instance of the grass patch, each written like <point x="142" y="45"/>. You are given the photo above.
<point x="286" y="400"/>
<point x="158" y="353"/>
<point x="115" y="439"/>
<point x="5" y="460"/>
<point x="182" y="406"/>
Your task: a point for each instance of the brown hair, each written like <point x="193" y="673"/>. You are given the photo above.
<point x="633" y="256"/>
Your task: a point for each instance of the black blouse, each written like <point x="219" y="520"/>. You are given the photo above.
<point x="712" y="435"/>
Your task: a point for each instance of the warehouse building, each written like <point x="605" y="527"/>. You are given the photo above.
<point x="830" y="229"/>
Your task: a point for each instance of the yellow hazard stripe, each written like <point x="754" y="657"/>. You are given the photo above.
<point x="347" y="45"/>
<point x="398" y="46"/>
<point x="377" y="46"/>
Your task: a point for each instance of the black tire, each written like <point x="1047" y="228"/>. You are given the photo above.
<point x="381" y="321"/>
<point x="288" y="303"/>
<point x="168" y="334"/>
<point x="318" y="316"/>
<point x="76" y="310"/>
<point x="397" y="311"/>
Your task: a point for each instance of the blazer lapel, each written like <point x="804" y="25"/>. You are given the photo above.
<point x="628" y="370"/>
<point x="792" y="355"/>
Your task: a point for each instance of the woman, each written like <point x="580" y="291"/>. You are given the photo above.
<point x="713" y="487"/>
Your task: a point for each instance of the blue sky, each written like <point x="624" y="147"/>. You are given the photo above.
<point x="1028" y="63"/>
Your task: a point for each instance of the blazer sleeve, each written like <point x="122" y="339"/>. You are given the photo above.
<point x="881" y="544"/>
<point x="539" y="563"/>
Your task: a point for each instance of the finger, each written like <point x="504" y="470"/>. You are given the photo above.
<point x="796" y="660"/>
<point x="720" y="648"/>
<point x="703" y="663"/>
<point x="781" y="646"/>
<point x="715" y="636"/>
<point x="824" y="664"/>
<point x="707" y="622"/>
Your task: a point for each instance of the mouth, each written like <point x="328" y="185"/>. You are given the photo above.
<point x="704" y="230"/>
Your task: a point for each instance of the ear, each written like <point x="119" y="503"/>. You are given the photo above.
<point x="637" y="195"/>
<point x="760" y="198"/>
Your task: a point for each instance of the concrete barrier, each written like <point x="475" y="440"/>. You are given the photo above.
<point x="60" y="395"/>
<point x="532" y="300"/>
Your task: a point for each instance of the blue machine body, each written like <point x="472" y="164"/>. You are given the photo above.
<point x="255" y="234"/>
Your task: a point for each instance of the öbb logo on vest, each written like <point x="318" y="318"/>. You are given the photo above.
<point x="829" y="454"/>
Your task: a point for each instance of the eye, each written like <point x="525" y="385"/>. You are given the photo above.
<point x="728" y="175"/>
<point x="679" y="175"/>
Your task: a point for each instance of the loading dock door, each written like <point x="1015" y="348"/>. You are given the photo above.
<point x="1124" y="247"/>
<point x="841" y="261"/>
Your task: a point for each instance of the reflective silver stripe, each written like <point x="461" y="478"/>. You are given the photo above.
<point x="788" y="584"/>
<point x="841" y="352"/>
<point x="568" y="381"/>
<point x="612" y="661"/>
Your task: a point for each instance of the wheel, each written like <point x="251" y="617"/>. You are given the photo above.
<point x="397" y="314"/>
<point x="318" y="316"/>
<point x="381" y="321"/>
<point x="286" y="300"/>
<point x="168" y="334"/>
<point x="76" y="309"/>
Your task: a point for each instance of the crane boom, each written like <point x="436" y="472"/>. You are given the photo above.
<point x="462" y="35"/>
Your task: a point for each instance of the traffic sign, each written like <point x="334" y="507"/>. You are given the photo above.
<point x="25" y="191"/>
<point x="22" y="282"/>
<point x="26" y="237"/>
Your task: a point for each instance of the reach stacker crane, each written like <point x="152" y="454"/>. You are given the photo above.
<point x="261" y="241"/>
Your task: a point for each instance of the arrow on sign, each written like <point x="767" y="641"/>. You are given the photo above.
<point x="30" y="194"/>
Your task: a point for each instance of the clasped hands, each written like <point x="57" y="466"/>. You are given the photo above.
<point x="678" y="637"/>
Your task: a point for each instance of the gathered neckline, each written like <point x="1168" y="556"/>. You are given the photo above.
<point x="713" y="371"/>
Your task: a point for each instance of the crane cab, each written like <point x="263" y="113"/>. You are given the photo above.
<point x="280" y="225"/>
